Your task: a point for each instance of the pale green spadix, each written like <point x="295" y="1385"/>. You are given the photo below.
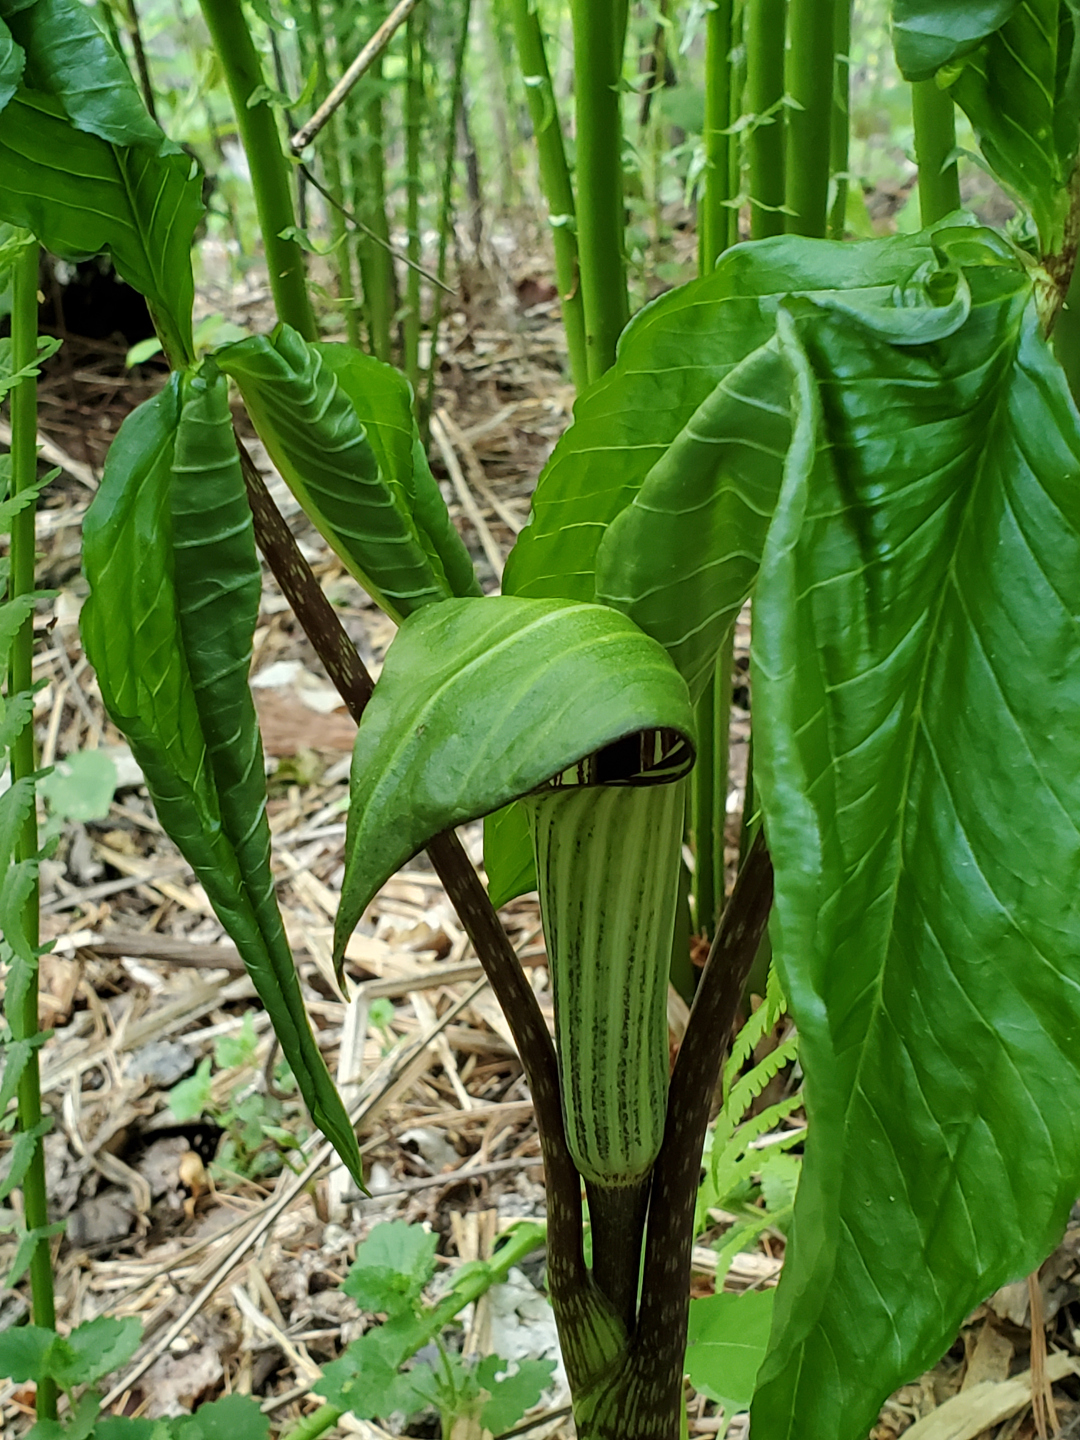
<point x="607" y="860"/>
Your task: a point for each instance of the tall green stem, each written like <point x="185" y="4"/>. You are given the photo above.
<point x="935" y="140"/>
<point x="716" y="218"/>
<point x="376" y="261"/>
<point x="841" y="119"/>
<point x="22" y="1016"/>
<point x="330" y="152"/>
<point x="270" y="180"/>
<point x="446" y="200"/>
<point x="710" y="788"/>
<point x="599" y="33"/>
<point x="765" y="22"/>
<point x="414" y="103"/>
<point x="554" y="179"/>
<point x="810" y="64"/>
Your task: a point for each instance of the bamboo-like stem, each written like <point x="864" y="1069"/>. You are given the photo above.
<point x="22" y="1017"/>
<point x="599" y="34"/>
<point x="810" y="65"/>
<point x="935" y="139"/>
<point x="709" y="791"/>
<point x="376" y="260"/>
<point x="433" y="1321"/>
<point x="765" y="29"/>
<point x="446" y="203"/>
<point x="414" y="103"/>
<point x="330" y="152"/>
<point x="554" y="179"/>
<point x="716" y="218"/>
<point x="841" y="119"/>
<point x="270" y="180"/>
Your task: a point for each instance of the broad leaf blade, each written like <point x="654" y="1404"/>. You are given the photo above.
<point x="928" y="34"/>
<point x="170" y="557"/>
<point x="81" y="195"/>
<point x="481" y="701"/>
<point x="508" y="854"/>
<point x="1021" y="91"/>
<point x="12" y="64"/>
<point x="916" y="654"/>
<point x="671" y="358"/>
<point x="69" y="58"/>
<point x="342" y="437"/>
<point x="726" y="1341"/>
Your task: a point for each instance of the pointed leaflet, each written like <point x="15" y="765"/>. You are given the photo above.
<point x="81" y="195"/>
<point x="916" y="683"/>
<point x="339" y="427"/>
<point x="681" y="559"/>
<point x="174" y="581"/>
<point x="69" y="58"/>
<point x="930" y="33"/>
<point x="481" y="701"/>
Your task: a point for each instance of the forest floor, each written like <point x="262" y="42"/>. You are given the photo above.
<point x="174" y="1159"/>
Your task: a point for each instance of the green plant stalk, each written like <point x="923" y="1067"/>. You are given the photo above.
<point x="331" y="159"/>
<point x="717" y="220"/>
<point x="709" y="792"/>
<point x="446" y="204"/>
<point x="935" y="139"/>
<point x="765" y="29"/>
<point x="841" y="119"/>
<point x="24" y="1023"/>
<point x="376" y="260"/>
<point x="554" y="180"/>
<point x="599" y="33"/>
<point x="810" y="66"/>
<point x="414" y="103"/>
<point x="523" y="1241"/>
<point x="270" y="179"/>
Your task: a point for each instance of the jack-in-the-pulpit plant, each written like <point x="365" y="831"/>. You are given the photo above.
<point x="877" y="443"/>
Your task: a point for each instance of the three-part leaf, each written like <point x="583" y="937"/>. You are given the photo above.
<point x="174" y="580"/>
<point x="339" y="427"/>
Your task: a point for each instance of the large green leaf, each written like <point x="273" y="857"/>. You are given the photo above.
<point x="81" y="195"/>
<point x="339" y="427"/>
<point x="916" y="676"/>
<point x="671" y="358"/>
<point x="169" y="553"/>
<point x="480" y="702"/>
<point x="613" y="515"/>
<point x="928" y="34"/>
<point x="12" y="64"/>
<point x="69" y="58"/>
<point x="1014" y="68"/>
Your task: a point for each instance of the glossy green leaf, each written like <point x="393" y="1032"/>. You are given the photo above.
<point x="916" y="675"/>
<point x="928" y="34"/>
<point x="726" y="1343"/>
<point x="339" y="428"/>
<point x="12" y="64"/>
<point x="508" y="854"/>
<point x="480" y="702"/>
<point x="81" y="195"/>
<point x="174" y="580"/>
<point x="671" y="358"/>
<point x="1021" y="91"/>
<point x="69" y="58"/>
<point x="657" y="498"/>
